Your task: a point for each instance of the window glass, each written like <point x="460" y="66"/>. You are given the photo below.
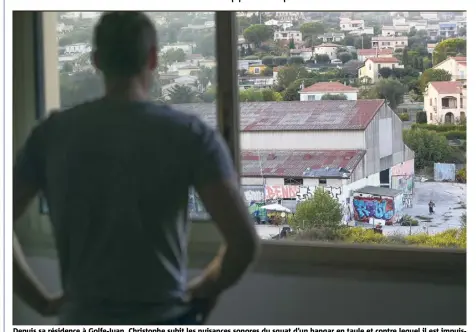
<point x="363" y="171"/>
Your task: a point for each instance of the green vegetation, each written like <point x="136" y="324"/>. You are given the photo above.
<point x="404" y="116"/>
<point x="429" y="147"/>
<point x="449" y="47"/>
<point x="250" y="95"/>
<point x="329" y="96"/>
<point x="461" y="178"/>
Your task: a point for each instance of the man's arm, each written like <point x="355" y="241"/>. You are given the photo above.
<point x="27" y="178"/>
<point x="218" y="187"/>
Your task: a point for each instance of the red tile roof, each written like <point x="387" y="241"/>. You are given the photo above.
<point x="293" y="163"/>
<point x="383" y="60"/>
<point x="450" y="87"/>
<point x="459" y="58"/>
<point x="329" y="87"/>
<point x="295" y="115"/>
<point x="372" y="51"/>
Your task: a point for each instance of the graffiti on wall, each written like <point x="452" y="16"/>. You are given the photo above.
<point x="407" y="200"/>
<point x="281" y="191"/>
<point x="372" y="207"/>
<point x="445" y="172"/>
<point x="405" y="168"/>
<point x="403" y="182"/>
<point x="306" y="193"/>
<point x="253" y="193"/>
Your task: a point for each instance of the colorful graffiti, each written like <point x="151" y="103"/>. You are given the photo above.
<point x="404" y="183"/>
<point x="445" y="172"/>
<point x="277" y="192"/>
<point x="371" y="207"/>
<point x="405" y="168"/>
<point x="306" y="193"/>
<point x="253" y="193"/>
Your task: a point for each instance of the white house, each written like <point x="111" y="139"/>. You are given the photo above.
<point x="418" y="24"/>
<point x="363" y="31"/>
<point x="400" y="29"/>
<point x="445" y="102"/>
<point x="327" y="48"/>
<point x="317" y="90"/>
<point x="346" y="24"/>
<point x="389" y="42"/>
<point x="456" y="66"/>
<point x="364" y="54"/>
<point x="332" y="37"/>
<point x="430" y="47"/>
<point x="305" y="53"/>
<point x="290" y="148"/>
<point x="272" y="23"/>
<point x="288" y="35"/>
<point x="372" y="66"/>
<point x="79" y="48"/>
<point x="388" y="30"/>
<point x="289" y="16"/>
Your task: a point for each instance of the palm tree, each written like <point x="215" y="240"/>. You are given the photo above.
<point x="182" y="94"/>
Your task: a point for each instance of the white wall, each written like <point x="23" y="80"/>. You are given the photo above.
<point x="317" y="96"/>
<point x="330" y="51"/>
<point x="325" y="140"/>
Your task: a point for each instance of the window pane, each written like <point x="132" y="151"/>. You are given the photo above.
<point x="319" y="141"/>
<point x="185" y="77"/>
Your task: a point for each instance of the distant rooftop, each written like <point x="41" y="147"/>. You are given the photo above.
<point x="450" y="87"/>
<point x="329" y="87"/>
<point x="300" y="163"/>
<point x="295" y="115"/>
<point x="373" y="51"/>
<point x="383" y="60"/>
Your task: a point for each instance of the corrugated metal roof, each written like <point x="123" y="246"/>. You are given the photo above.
<point x="300" y="163"/>
<point x="378" y="191"/>
<point x="295" y="115"/>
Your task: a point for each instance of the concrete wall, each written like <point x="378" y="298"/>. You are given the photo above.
<point x="309" y="284"/>
<point x="326" y="140"/>
<point x="374" y="161"/>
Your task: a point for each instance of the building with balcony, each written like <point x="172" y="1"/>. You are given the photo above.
<point x="389" y="42"/>
<point x="456" y="66"/>
<point x="288" y="35"/>
<point x="364" y="54"/>
<point x="433" y="31"/>
<point x="317" y="90"/>
<point x="371" y="67"/>
<point x="332" y="37"/>
<point x="445" y="102"/>
<point x="448" y="29"/>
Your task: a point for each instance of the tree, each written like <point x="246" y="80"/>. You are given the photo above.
<point x="67" y="67"/>
<point x="280" y="61"/>
<point x="421" y="117"/>
<point x="405" y="58"/>
<point x="329" y="96"/>
<point x="268" y="71"/>
<point x="311" y="29"/>
<point x="174" y="55"/>
<point x="253" y="95"/>
<point x="205" y="76"/>
<point x="290" y="74"/>
<point x="206" y="44"/>
<point x="292" y="91"/>
<point x="291" y="45"/>
<point x="182" y="94"/>
<point x="433" y="75"/>
<point x="448" y="47"/>
<point x="267" y="60"/>
<point x="344" y="56"/>
<point x="462" y="32"/>
<point x="321" y="211"/>
<point x="209" y="96"/>
<point x="258" y="33"/>
<point x="385" y="72"/>
<point x="429" y="147"/>
<point x="322" y="58"/>
<point x="296" y="60"/>
<point x="392" y="90"/>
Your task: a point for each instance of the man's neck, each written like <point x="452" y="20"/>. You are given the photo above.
<point x="126" y="90"/>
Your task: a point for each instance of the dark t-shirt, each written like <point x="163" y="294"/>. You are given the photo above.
<point x="116" y="176"/>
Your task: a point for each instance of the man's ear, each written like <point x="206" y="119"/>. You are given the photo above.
<point x="153" y="59"/>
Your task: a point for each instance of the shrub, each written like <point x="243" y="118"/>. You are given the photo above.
<point x="439" y="128"/>
<point x="268" y="60"/>
<point x="455" y="134"/>
<point x="409" y="221"/>
<point x="463" y="220"/>
<point x="421" y="117"/>
<point x="461" y="177"/>
<point x="404" y="116"/>
<point x="452" y="238"/>
<point x="252" y="57"/>
<point x="280" y="61"/>
<point x="296" y="60"/>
